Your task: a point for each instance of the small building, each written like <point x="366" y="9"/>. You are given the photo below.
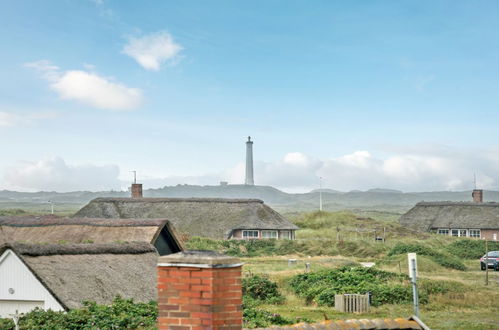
<point x="54" y="230"/>
<point x="61" y="276"/>
<point x="460" y="219"/>
<point x="216" y="218"/>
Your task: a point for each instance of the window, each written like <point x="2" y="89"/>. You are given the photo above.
<point x="459" y="232"/>
<point x="285" y="234"/>
<point x="269" y="234"/>
<point x="475" y="233"/>
<point x="250" y="233"/>
<point x="443" y="231"/>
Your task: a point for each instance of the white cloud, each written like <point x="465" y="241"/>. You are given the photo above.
<point x="415" y="171"/>
<point x="89" y="88"/>
<point x="152" y="50"/>
<point x="426" y="170"/>
<point x="54" y="174"/>
<point x="96" y="91"/>
<point x="10" y="119"/>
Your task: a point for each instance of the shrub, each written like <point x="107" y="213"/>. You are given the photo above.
<point x="470" y="248"/>
<point x="261" y="288"/>
<point x="440" y="286"/>
<point x="6" y="324"/>
<point x="258" y="318"/>
<point x="12" y="212"/>
<point x="442" y="259"/>
<point x="123" y="313"/>
<point x="322" y="286"/>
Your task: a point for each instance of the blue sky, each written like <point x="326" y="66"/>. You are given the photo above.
<point x="398" y="94"/>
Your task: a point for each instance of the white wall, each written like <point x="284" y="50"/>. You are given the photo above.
<point x="28" y="292"/>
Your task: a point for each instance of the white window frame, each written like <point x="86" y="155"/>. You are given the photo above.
<point x="443" y="231"/>
<point x="476" y="233"/>
<point x="285" y="234"/>
<point x="246" y="234"/>
<point x="273" y="234"/>
<point x="459" y="232"/>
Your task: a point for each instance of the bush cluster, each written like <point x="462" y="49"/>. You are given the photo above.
<point x="321" y="286"/>
<point x="443" y="259"/>
<point x="258" y="318"/>
<point x="260" y="288"/>
<point x="470" y="248"/>
<point x="121" y="314"/>
<point x="246" y="248"/>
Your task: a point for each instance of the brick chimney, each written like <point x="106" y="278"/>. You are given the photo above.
<point x="136" y="190"/>
<point x="477" y="195"/>
<point x="199" y="290"/>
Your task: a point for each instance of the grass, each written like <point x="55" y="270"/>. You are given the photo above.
<point x="466" y="303"/>
<point x="476" y="305"/>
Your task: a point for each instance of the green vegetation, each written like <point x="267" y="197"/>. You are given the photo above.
<point x="260" y="288"/>
<point x="8" y="212"/>
<point x="321" y="287"/>
<point x="470" y="248"/>
<point x="122" y="314"/>
<point x="258" y="318"/>
<point x="279" y="292"/>
<point x="440" y="258"/>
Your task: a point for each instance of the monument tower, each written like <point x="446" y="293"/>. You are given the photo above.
<point x="249" y="163"/>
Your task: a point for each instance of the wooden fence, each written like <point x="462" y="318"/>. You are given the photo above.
<point x="352" y="303"/>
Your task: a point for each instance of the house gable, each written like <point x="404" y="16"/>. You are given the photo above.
<point x="20" y="289"/>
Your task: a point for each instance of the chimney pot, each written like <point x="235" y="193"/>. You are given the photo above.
<point x="477" y="196"/>
<point x="136" y="190"/>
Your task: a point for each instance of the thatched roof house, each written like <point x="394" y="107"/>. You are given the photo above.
<point x="208" y="217"/>
<point x="462" y="219"/>
<point x="61" y="276"/>
<point x="50" y="229"/>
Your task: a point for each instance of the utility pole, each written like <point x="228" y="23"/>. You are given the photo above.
<point x="320" y="193"/>
<point x="486" y="262"/>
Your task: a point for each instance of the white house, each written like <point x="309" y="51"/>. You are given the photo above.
<point x="62" y="276"/>
<point x="20" y="290"/>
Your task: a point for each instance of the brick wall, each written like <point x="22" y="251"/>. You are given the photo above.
<point x="136" y="190"/>
<point x="197" y="295"/>
<point x="489" y="234"/>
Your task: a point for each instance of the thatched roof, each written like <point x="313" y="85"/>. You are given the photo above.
<point x="51" y="229"/>
<point x="208" y="217"/>
<point x="458" y="215"/>
<point x="94" y="272"/>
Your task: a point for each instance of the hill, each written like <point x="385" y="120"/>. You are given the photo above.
<point x="374" y="199"/>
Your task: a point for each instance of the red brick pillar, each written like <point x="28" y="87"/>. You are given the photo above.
<point x="199" y="290"/>
<point x="136" y="190"/>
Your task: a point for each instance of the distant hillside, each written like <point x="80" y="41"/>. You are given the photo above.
<point x="374" y="199"/>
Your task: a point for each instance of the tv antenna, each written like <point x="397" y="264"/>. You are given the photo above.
<point x="474" y="180"/>
<point x="134" y="177"/>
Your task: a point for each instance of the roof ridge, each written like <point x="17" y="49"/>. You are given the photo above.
<point x="175" y="199"/>
<point x="37" y="250"/>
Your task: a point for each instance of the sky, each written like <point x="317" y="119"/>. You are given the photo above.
<point x="363" y="94"/>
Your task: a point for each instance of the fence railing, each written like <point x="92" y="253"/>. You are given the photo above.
<point x="352" y="303"/>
